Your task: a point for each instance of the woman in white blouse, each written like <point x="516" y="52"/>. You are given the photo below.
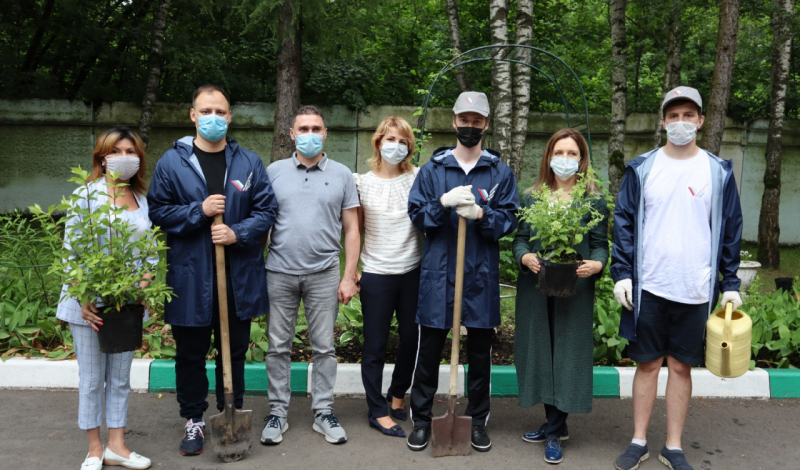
<point x="390" y="261"/>
<point x="105" y="378"/>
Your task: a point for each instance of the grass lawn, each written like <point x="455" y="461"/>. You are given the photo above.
<point x="790" y="265"/>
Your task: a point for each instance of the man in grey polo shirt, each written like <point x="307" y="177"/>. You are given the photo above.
<point x="316" y="199"/>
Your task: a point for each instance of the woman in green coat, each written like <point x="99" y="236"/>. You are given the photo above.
<point x="554" y="340"/>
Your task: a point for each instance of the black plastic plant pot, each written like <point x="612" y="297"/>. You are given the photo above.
<point x="558" y="279"/>
<point x="784" y="283"/>
<point x="121" y="331"/>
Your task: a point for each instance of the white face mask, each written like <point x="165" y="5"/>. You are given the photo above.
<point x="393" y="152"/>
<point x="126" y="166"/>
<point x="681" y="133"/>
<point x="564" y="168"/>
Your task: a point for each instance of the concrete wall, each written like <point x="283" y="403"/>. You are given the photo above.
<point x="42" y="139"/>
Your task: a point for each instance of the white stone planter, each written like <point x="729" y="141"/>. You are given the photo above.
<point x="747" y="273"/>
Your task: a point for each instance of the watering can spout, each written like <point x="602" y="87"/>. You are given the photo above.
<point x="728" y="342"/>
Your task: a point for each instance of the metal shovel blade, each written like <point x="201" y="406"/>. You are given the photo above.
<point x="230" y="432"/>
<point x="451" y="434"/>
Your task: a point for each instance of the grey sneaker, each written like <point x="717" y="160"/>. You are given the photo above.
<point x="632" y="457"/>
<point x="273" y="430"/>
<point x="326" y="424"/>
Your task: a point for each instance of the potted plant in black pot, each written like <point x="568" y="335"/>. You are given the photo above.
<point x="559" y="220"/>
<point x="105" y="263"/>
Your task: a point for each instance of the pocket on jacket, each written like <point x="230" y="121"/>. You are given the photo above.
<point x="433" y="291"/>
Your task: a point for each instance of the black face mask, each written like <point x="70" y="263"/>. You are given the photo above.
<point x="469" y="136"/>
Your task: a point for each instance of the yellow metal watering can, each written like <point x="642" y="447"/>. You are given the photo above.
<point x="728" y="335"/>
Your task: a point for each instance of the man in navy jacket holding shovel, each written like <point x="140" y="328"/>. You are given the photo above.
<point x="470" y="182"/>
<point x="677" y="229"/>
<point x="198" y="178"/>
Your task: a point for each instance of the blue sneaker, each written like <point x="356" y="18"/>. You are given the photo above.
<point x="632" y="457"/>
<point x="538" y="435"/>
<point x="193" y="435"/>
<point x="552" y="451"/>
<point x="674" y="459"/>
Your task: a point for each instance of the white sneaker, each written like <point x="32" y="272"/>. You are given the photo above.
<point x="92" y="463"/>
<point x="135" y="461"/>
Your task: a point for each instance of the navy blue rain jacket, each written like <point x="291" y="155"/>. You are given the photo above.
<point x="495" y="189"/>
<point x="726" y="233"/>
<point x="176" y="197"/>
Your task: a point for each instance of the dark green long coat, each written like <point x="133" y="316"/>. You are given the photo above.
<point x="563" y="378"/>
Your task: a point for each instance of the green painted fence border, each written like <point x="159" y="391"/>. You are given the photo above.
<point x="162" y="377"/>
<point x="784" y="383"/>
<point x="504" y="382"/>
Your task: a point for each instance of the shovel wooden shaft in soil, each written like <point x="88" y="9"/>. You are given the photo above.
<point x="451" y="434"/>
<point x="229" y="430"/>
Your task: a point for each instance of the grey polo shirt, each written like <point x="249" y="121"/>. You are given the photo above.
<point x="306" y="235"/>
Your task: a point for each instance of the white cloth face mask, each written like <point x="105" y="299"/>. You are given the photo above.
<point x="563" y="167"/>
<point x="393" y="152"/>
<point x="681" y="133"/>
<point x="125" y="165"/>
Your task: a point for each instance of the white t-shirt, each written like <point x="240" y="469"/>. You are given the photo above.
<point x="467" y="167"/>
<point x="392" y="245"/>
<point x="677" y="228"/>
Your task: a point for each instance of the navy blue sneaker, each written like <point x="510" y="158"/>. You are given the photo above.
<point x="674" y="459"/>
<point x="538" y="435"/>
<point x="632" y="457"/>
<point x="552" y="451"/>
<point x="193" y="435"/>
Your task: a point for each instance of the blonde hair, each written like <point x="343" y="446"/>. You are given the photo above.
<point x="546" y="175"/>
<point x="402" y="127"/>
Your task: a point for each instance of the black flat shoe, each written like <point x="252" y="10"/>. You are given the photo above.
<point x="394" y="431"/>
<point x="397" y="413"/>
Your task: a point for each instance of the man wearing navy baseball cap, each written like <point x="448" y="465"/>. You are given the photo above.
<point x="471" y="182"/>
<point x="677" y="231"/>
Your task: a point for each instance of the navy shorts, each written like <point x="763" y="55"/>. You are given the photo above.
<point x="669" y="328"/>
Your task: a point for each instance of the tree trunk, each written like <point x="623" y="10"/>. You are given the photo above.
<point x="522" y="86"/>
<point x="501" y="81"/>
<point x="455" y="42"/>
<point x="36" y="40"/>
<point x="672" y="69"/>
<point x="723" y="71"/>
<point x="154" y="64"/>
<point x="769" y="230"/>
<point x="288" y="87"/>
<point x="619" y="91"/>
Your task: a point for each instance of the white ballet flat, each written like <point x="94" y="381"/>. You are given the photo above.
<point x="135" y="461"/>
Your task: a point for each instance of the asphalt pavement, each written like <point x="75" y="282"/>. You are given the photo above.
<point x="38" y="430"/>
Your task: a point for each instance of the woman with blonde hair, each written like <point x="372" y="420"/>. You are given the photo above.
<point x="553" y="341"/>
<point x="105" y="378"/>
<point x="390" y="261"/>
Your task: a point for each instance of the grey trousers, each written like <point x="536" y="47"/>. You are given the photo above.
<point x="319" y="292"/>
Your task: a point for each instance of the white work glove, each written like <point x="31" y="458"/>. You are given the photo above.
<point x="623" y="292"/>
<point x="457" y="196"/>
<point x="731" y="296"/>
<point x="468" y="211"/>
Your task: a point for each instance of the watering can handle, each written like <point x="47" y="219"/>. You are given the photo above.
<point x="728" y="318"/>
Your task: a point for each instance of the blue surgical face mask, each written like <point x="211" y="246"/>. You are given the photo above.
<point x="310" y="145"/>
<point x="564" y="168"/>
<point x="212" y="127"/>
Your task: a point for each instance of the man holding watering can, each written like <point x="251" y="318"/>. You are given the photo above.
<point x="677" y="228"/>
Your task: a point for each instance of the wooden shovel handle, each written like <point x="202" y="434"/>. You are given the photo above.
<point x="222" y="296"/>
<point x="459" y="288"/>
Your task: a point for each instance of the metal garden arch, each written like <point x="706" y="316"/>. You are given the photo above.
<point x="548" y="65"/>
